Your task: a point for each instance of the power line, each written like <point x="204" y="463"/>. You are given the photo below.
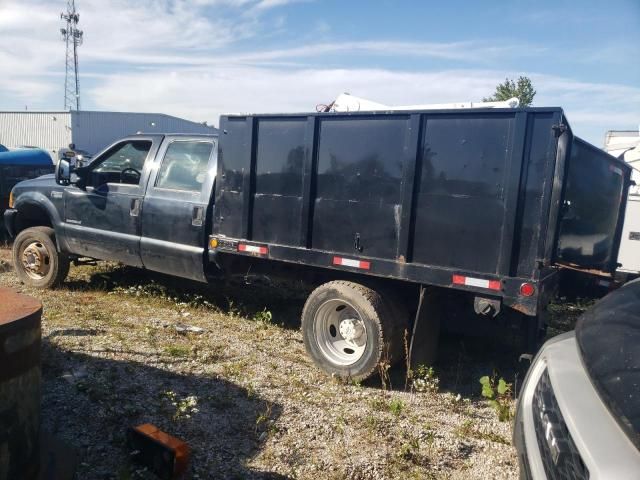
<point x="73" y="38"/>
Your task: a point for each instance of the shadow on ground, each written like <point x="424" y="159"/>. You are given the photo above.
<point x="90" y="403"/>
<point x="462" y="359"/>
<point x="248" y="298"/>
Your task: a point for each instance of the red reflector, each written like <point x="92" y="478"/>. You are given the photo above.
<point x="527" y="289"/>
<point x="349" y="262"/>
<point x="476" y="282"/>
<point x="262" y="250"/>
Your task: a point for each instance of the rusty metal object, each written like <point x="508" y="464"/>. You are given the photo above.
<point x="19" y="385"/>
<point x="166" y="455"/>
<point x="578" y="268"/>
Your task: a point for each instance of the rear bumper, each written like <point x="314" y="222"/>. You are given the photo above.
<point x="9" y="221"/>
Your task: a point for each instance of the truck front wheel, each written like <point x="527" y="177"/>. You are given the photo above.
<point x="37" y="260"/>
<point x="349" y="329"/>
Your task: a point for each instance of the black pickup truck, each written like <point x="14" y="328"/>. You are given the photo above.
<point x="393" y="214"/>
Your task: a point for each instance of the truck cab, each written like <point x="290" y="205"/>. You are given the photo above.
<point x="143" y="201"/>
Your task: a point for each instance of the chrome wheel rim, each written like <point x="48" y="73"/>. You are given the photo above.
<point x="36" y="261"/>
<point x="341" y="335"/>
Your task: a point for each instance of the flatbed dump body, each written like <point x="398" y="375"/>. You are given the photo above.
<point x="466" y="199"/>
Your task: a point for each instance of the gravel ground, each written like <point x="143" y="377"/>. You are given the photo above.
<point x="224" y="368"/>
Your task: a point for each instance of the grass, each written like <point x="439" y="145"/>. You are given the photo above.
<point x="396" y="406"/>
<point x="246" y="373"/>
<point x="180" y="351"/>
<point x="469" y="430"/>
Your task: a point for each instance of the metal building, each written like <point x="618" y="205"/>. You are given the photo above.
<point x="88" y="130"/>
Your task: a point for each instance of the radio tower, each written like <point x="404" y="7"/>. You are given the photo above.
<point x="73" y="38"/>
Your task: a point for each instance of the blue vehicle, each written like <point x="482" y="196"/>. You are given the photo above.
<point x="19" y="165"/>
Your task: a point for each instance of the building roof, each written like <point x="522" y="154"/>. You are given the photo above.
<point x="623" y="133"/>
<point x="98" y="112"/>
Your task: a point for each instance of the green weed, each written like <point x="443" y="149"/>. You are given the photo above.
<point x="499" y="396"/>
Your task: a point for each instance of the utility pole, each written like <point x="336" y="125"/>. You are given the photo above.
<point x="73" y="39"/>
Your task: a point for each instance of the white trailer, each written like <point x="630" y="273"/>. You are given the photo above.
<point x="627" y="144"/>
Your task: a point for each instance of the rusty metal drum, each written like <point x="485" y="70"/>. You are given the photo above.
<point x="20" y="382"/>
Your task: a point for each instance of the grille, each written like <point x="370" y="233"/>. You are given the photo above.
<point x="559" y="454"/>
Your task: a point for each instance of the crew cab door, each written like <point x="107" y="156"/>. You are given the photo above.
<point x="176" y="207"/>
<point x="102" y="213"/>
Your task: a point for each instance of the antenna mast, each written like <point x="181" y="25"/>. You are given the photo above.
<point x="73" y="38"/>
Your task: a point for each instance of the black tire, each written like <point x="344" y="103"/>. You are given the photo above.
<point x="55" y="265"/>
<point x="382" y="328"/>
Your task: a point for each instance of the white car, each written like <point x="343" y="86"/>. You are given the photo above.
<point x="578" y="414"/>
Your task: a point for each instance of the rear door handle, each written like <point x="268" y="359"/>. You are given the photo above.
<point x="134" y="210"/>
<point x="197" y="215"/>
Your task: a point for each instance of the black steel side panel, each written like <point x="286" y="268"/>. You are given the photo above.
<point x="233" y="185"/>
<point x="593" y="213"/>
<point x="461" y="195"/>
<point x="359" y="183"/>
<point x="465" y="190"/>
<point x="277" y="203"/>
<point x="535" y="190"/>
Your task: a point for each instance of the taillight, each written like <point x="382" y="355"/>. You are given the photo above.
<point x="527" y="289"/>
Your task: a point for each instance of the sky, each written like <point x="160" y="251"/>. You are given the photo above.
<point x="198" y="59"/>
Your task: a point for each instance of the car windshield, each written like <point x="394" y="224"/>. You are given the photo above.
<point x="609" y="339"/>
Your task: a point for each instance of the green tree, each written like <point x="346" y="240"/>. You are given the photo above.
<point x="521" y="88"/>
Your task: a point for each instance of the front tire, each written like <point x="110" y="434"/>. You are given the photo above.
<point x="349" y="329"/>
<point x="37" y="260"/>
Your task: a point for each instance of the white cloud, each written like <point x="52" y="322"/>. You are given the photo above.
<point x="183" y="57"/>
<point x="204" y="94"/>
<point x="207" y="94"/>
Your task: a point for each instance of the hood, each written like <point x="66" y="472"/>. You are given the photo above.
<point x="608" y="337"/>
<point x="30" y="156"/>
<point x="48" y="180"/>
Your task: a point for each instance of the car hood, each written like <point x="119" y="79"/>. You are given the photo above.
<point x="608" y="337"/>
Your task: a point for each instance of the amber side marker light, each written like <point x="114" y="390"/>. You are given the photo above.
<point x="213" y="243"/>
<point x="11" y="199"/>
<point x="527" y="289"/>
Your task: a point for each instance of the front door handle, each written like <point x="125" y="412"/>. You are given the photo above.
<point x="134" y="210"/>
<point x="197" y="215"/>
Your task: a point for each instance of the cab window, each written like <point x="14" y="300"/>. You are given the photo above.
<point x="122" y="164"/>
<point x="184" y="165"/>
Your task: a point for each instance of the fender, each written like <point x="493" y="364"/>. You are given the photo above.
<point x="52" y="207"/>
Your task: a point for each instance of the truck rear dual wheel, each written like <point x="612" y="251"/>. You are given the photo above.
<point x="349" y="329"/>
<point x="37" y="260"/>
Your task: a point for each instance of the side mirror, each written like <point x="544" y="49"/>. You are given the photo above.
<point x="63" y="172"/>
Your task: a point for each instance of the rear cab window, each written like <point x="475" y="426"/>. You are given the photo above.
<point x="184" y="166"/>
